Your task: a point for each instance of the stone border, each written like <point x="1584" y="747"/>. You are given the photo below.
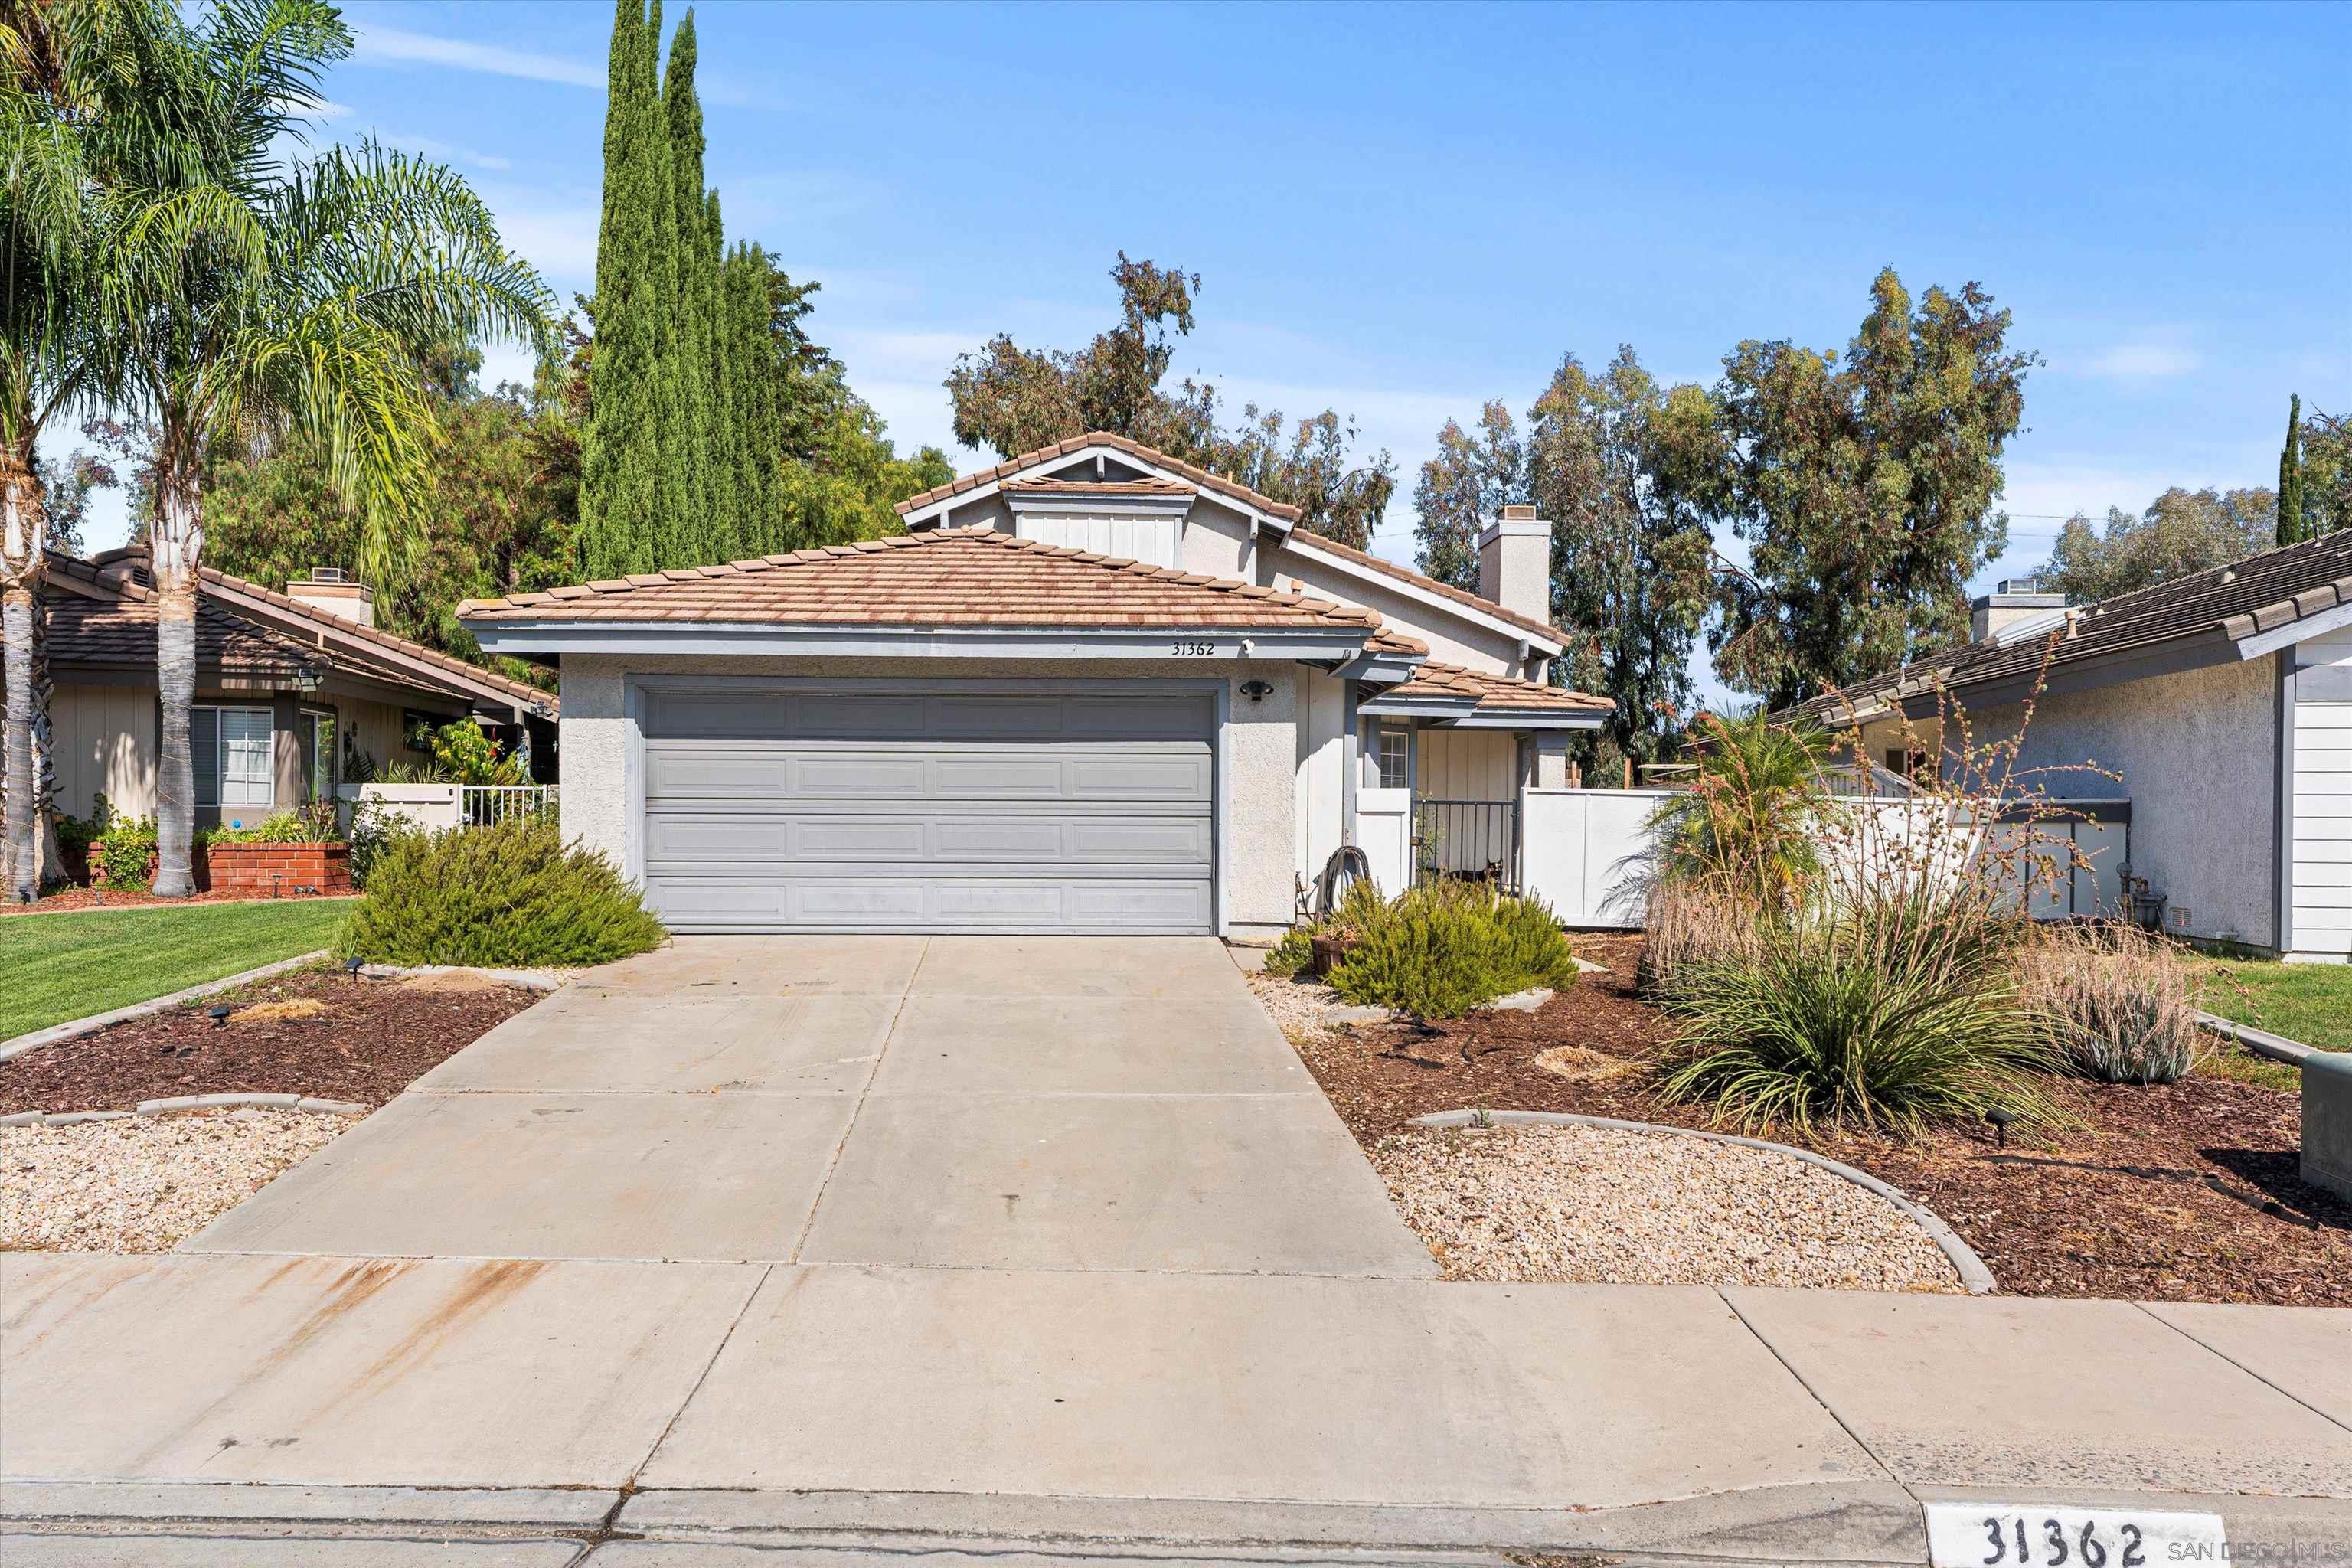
<point x="528" y="979"/>
<point x="1974" y="1276"/>
<point x="185" y="1103"/>
<point x="97" y="1021"/>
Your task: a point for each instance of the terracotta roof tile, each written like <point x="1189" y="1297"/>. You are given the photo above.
<point x="1498" y="693"/>
<point x="965" y="483"/>
<point x="946" y="577"/>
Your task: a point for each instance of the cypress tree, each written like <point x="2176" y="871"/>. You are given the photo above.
<point x="2291" y="529"/>
<point x="700" y="533"/>
<point x="758" y="402"/>
<point x="727" y="510"/>
<point x="671" y="519"/>
<point x="620" y="456"/>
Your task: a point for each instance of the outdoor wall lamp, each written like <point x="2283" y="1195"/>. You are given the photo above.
<point x="1258" y="690"/>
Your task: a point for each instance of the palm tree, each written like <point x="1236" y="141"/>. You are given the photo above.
<point x="51" y="357"/>
<point x="1747" y="825"/>
<point x="258" y="299"/>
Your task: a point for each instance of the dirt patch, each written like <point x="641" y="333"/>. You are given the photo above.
<point x="314" y="1032"/>
<point x="2179" y="1192"/>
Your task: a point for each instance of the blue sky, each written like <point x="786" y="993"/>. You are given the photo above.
<point x="1403" y="211"/>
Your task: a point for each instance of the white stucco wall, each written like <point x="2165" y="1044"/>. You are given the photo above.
<point x="1257" y="854"/>
<point x="1451" y="639"/>
<point x="2195" y="752"/>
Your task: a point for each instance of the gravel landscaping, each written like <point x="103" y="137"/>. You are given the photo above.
<point x="144" y="1183"/>
<point x="2181" y="1192"/>
<point x="1601" y="1205"/>
<point x="1300" y="1008"/>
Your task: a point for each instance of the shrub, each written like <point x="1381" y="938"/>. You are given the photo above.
<point x="466" y="755"/>
<point x="1884" y="1015"/>
<point x="282" y="827"/>
<point x="1687" y="923"/>
<point x="1359" y="907"/>
<point x="126" y="850"/>
<point x="511" y="895"/>
<point x="1447" y="947"/>
<point x="1748" y="822"/>
<point x="2117" y="1004"/>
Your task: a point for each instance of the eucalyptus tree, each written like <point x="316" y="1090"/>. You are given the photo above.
<point x="261" y="298"/>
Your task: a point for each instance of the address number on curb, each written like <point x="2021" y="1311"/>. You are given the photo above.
<point x="2026" y="1535"/>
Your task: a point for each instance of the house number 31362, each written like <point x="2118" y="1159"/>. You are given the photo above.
<point x="1181" y="649"/>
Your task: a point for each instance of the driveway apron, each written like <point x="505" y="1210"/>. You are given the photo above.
<point x="989" y="1103"/>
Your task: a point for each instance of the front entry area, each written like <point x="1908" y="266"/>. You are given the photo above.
<point x="777" y="808"/>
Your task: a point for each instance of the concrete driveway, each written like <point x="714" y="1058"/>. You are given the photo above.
<point x="989" y="1103"/>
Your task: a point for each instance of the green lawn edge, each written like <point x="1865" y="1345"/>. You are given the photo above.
<point x="75" y="964"/>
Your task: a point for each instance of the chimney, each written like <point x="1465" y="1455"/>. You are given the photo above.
<point x="1515" y="564"/>
<point x="337" y="592"/>
<point x="2012" y="600"/>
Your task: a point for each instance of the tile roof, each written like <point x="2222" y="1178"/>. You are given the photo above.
<point x="2259" y="594"/>
<point x="962" y="576"/>
<point x="1498" y="693"/>
<point x="964" y="483"/>
<point x="1149" y="486"/>
<point x="120" y="630"/>
<point x="1388" y="641"/>
<point x="1316" y="541"/>
<point x="521" y="691"/>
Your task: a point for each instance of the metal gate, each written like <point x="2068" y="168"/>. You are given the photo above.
<point x="1469" y="840"/>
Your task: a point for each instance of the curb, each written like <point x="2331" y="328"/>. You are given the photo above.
<point x="2262" y="1042"/>
<point x="1974" y="1276"/>
<point x="351" y="1110"/>
<point x="97" y="1021"/>
<point x="528" y="979"/>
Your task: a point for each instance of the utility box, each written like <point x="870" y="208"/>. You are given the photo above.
<point x="2327" y="1121"/>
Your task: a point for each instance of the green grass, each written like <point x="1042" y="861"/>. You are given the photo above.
<point x="64" y="966"/>
<point x="2311" y="1002"/>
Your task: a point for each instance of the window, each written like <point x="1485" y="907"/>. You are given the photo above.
<point x="417" y="730"/>
<point x="1395" y="758"/>
<point x="247" y="777"/>
<point x="322" y="754"/>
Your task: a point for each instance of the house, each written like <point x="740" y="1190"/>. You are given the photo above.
<point x="2220" y="703"/>
<point x="297" y="692"/>
<point x="1093" y="689"/>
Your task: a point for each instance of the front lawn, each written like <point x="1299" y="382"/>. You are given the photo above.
<point x="2311" y="1002"/>
<point x="67" y="966"/>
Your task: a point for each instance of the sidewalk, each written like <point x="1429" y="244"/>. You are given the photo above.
<point x="565" y="1406"/>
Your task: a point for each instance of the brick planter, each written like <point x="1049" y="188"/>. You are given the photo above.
<point x="278" y="871"/>
<point x="258" y="870"/>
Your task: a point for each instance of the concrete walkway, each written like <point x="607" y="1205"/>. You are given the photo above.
<point x="1017" y="1252"/>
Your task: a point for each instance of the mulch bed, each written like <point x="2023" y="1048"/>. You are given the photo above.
<point x="369" y="1039"/>
<point x="2182" y="1192"/>
<point x="69" y="899"/>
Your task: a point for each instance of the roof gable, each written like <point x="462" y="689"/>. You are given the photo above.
<point x="917" y="509"/>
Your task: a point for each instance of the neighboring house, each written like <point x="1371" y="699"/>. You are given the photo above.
<point x="1092" y="689"/>
<point x="2222" y="702"/>
<point x="296" y="692"/>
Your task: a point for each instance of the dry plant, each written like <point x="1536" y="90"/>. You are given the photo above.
<point x="2119" y="1005"/>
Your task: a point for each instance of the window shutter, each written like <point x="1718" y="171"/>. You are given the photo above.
<point x="203" y="748"/>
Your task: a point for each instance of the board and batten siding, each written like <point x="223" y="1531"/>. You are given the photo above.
<point x="103" y="742"/>
<point x="2320" y="897"/>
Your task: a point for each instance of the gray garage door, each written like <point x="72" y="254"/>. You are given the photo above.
<point x="773" y="810"/>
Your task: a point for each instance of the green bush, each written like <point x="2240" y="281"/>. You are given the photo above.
<point x="1882" y="1015"/>
<point x="1360" y="908"/>
<point x="512" y="895"/>
<point x="1447" y="947"/>
<point x="125" y="849"/>
<point x="282" y="827"/>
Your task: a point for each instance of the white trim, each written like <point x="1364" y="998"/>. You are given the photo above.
<point x="924" y="515"/>
<point x="665" y="637"/>
<point x="2295" y="631"/>
<point x="1419" y="595"/>
<point x="1524" y="719"/>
